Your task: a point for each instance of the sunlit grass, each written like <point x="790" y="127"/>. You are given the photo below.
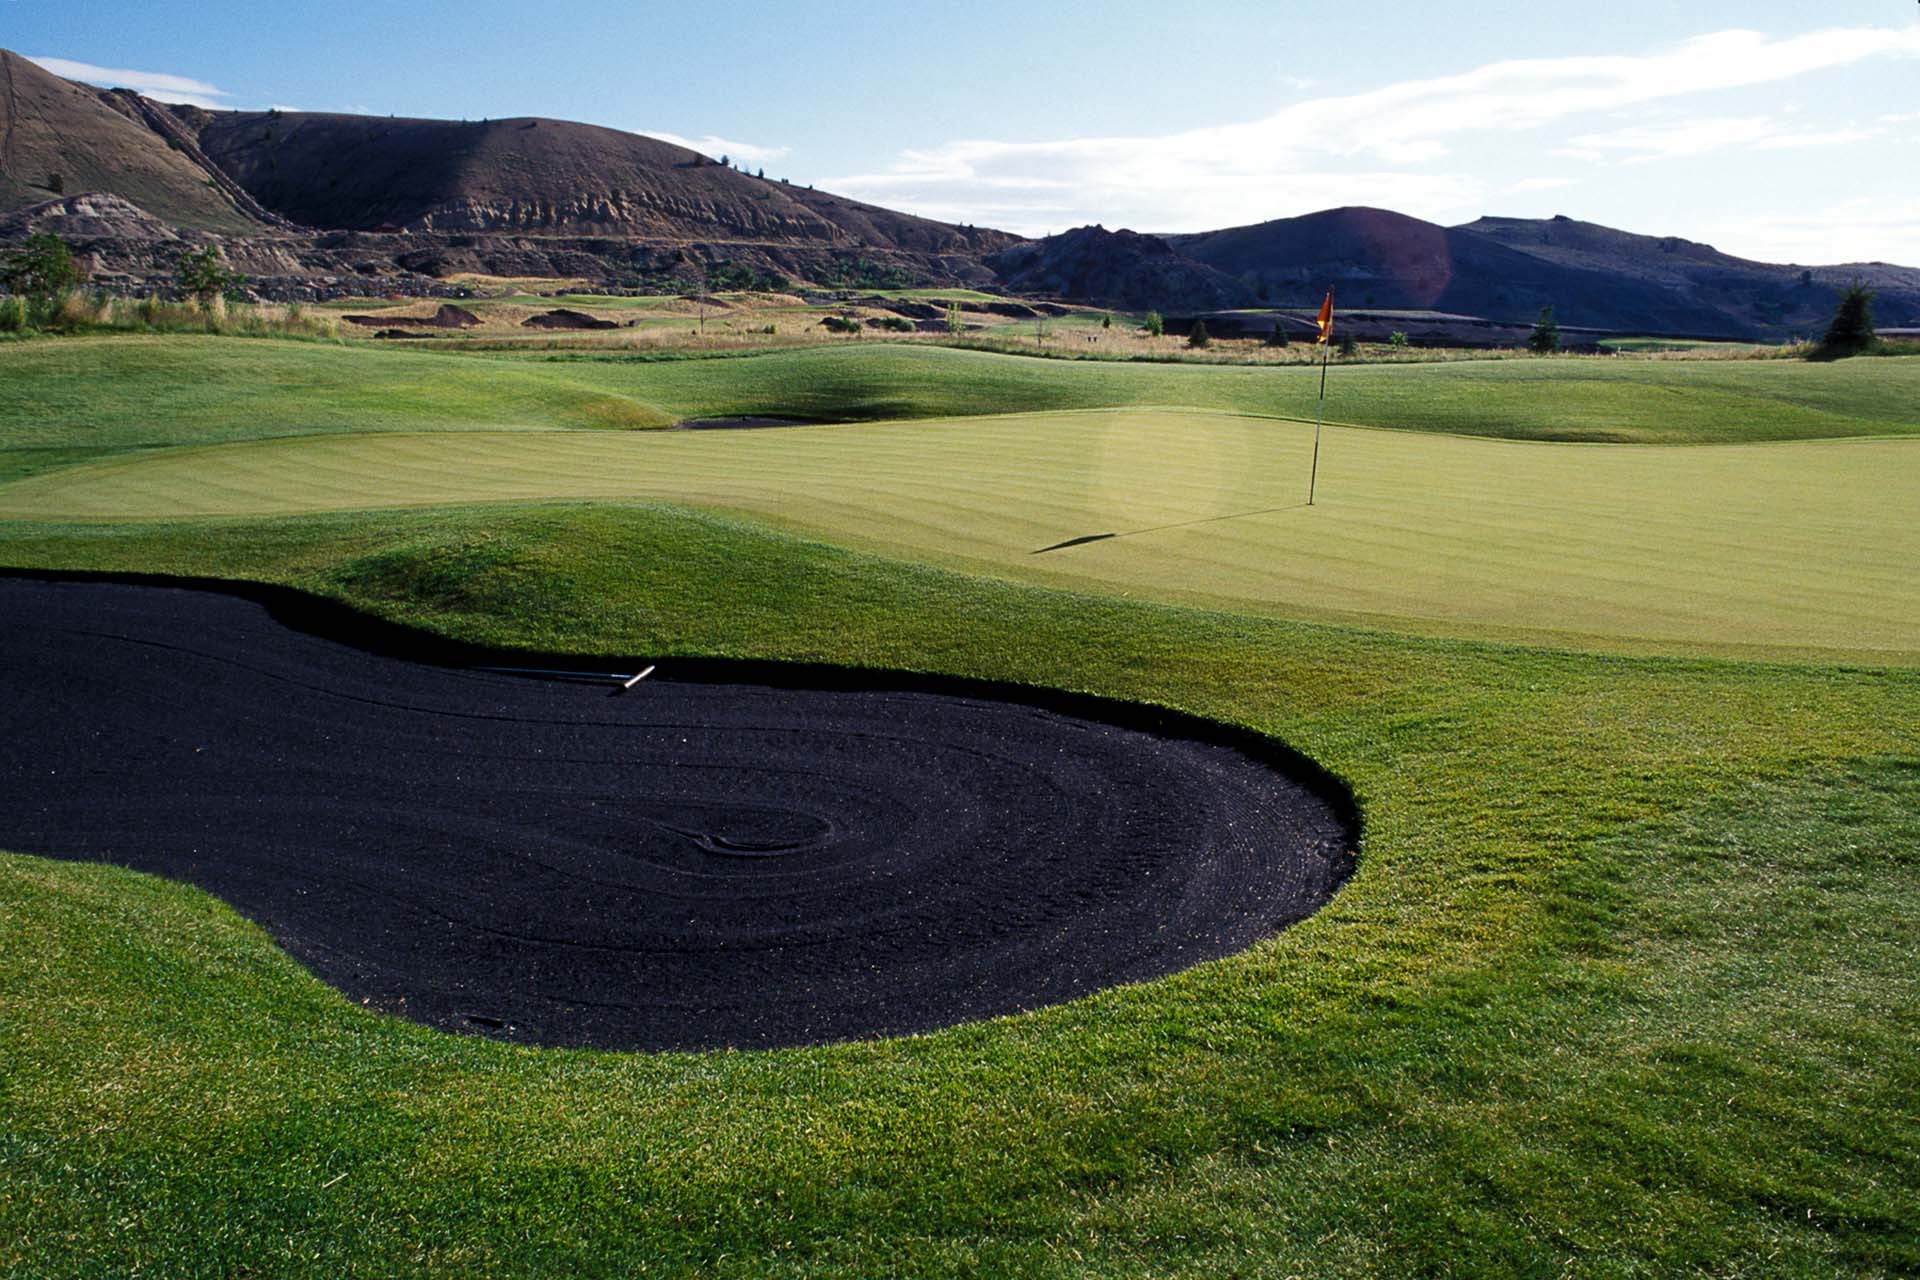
<point x="1625" y="983"/>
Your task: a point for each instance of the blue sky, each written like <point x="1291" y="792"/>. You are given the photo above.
<point x="1783" y="131"/>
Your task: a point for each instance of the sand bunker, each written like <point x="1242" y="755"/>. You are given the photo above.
<point x="699" y="862"/>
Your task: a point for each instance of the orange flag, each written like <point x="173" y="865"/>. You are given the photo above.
<point x="1326" y="318"/>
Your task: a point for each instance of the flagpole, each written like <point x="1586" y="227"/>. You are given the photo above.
<point x="1326" y="349"/>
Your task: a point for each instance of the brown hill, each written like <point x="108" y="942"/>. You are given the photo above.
<point x="1375" y="258"/>
<point x="59" y="138"/>
<point x="533" y="176"/>
<point x="1116" y="269"/>
<point x="317" y="205"/>
<point x="1772" y="297"/>
<point x="1506" y="269"/>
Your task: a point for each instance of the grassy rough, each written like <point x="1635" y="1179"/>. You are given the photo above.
<point x="110" y="394"/>
<point x="1624" y="985"/>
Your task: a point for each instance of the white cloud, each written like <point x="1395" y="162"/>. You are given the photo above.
<point x="1817" y="138"/>
<point x="1697" y="137"/>
<point x="745" y="152"/>
<point x="1373" y="147"/>
<point x="158" y="85"/>
<point x="1542" y="184"/>
<point x="1677" y="139"/>
<point x="1829" y="235"/>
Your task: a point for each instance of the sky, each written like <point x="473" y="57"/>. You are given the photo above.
<point x="1786" y="132"/>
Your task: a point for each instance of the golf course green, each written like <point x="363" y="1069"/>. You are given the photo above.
<point x="1618" y="656"/>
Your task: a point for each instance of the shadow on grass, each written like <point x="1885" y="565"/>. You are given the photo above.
<point x="1160" y="528"/>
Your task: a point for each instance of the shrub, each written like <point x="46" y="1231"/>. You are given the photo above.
<point x="73" y="311"/>
<point x="1106" y="322"/>
<point x="204" y="274"/>
<point x="1278" y="338"/>
<point x="40" y="270"/>
<point x="13" y="313"/>
<point x="1198" y="335"/>
<point x="1397" y="339"/>
<point x="841" y="324"/>
<point x="1156" y="324"/>
<point x="1347" y="346"/>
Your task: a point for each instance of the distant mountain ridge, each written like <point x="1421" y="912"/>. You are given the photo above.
<point x="309" y="203"/>
<point x="1508" y="268"/>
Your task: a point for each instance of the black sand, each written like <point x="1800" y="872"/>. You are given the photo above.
<point x="696" y="863"/>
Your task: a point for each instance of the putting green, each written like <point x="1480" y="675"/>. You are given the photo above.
<point x="1783" y="548"/>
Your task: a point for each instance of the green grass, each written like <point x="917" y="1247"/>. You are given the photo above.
<point x="1776" y="548"/>
<point x="1627" y="982"/>
<point x="113" y="394"/>
<point x="1644" y="345"/>
<point x="1624" y="984"/>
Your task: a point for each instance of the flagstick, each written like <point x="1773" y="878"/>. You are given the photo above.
<point x="1326" y="345"/>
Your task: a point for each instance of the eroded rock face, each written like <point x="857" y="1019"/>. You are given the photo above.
<point x="310" y="205"/>
<point x="91" y="215"/>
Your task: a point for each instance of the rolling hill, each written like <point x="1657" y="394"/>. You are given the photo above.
<point x="59" y="138"/>
<point x="311" y="203"/>
<point x="534" y="176"/>
<point x="1507" y="269"/>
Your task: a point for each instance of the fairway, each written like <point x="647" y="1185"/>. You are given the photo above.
<point x="1782" y="548"/>
<point x="1623" y="981"/>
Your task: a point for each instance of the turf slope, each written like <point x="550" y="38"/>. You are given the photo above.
<point x="1784" y="548"/>
<point x="1624" y="984"/>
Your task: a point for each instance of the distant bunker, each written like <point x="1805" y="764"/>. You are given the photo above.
<point x="723" y="855"/>
<point x="563" y="318"/>
<point x="447" y="317"/>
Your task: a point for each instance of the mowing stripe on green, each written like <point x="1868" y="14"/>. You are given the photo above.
<point x="1777" y="548"/>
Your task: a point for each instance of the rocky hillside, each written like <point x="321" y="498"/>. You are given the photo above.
<point x="311" y="204"/>
<point x="315" y="205"/>
<point x="58" y="138"/>
<point x="534" y="177"/>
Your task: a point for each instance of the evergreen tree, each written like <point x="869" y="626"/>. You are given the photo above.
<point x="1545" y="338"/>
<point x="1852" y="329"/>
<point x="1278" y="338"/>
<point x="1198" y="335"/>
